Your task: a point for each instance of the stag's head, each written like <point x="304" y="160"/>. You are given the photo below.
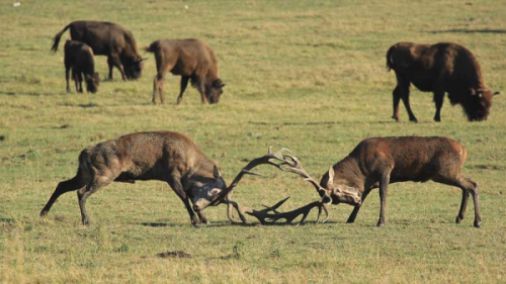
<point x="339" y="190"/>
<point x="205" y="190"/>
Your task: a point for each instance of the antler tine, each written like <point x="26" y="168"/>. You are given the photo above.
<point x="266" y="217"/>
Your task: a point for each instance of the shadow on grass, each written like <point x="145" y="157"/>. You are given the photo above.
<point x="219" y="224"/>
<point x="470" y="31"/>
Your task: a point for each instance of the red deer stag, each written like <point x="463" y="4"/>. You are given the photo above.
<point x="166" y="156"/>
<point x="377" y="162"/>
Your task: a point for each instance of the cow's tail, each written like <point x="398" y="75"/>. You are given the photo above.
<point x="56" y="39"/>
<point x="152" y="47"/>
<point x="390" y="59"/>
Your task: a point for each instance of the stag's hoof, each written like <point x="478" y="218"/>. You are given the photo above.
<point x="477" y="224"/>
<point x="395" y="118"/>
<point x="413" y="119"/>
<point x="458" y="219"/>
<point x="380" y="224"/>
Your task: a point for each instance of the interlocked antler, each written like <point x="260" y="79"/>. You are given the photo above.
<point x="266" y="217"/>
<point x="284" y="161"/>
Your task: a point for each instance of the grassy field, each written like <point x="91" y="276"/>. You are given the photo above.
<point x="306" y="75"/>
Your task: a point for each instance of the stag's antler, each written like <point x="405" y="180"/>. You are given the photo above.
<point x="283" y="160"/>
<point x="266" y="217"/>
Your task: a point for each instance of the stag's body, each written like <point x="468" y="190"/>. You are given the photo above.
<point x="164" y="156"/>
<point x="377" y="162"/>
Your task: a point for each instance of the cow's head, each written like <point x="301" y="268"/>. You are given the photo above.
<point x="92" y="82"/>
<point x="214" y="91"/>
<point x="338" y="190"/>
<point x="133" y="67"/>
<point x="478" y="103"/>
<point x="206" y="190"/>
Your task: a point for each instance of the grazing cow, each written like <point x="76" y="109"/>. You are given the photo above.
<point x="377" y="162"/>
<point x="192" y="59"/>
<point x="166" y="156"/>
<point x="79" y="59"/>
<point x="108" y="39"/>
<point x="440" y="68"/>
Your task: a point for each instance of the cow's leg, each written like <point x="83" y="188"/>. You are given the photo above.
<point x="114" y="59"/>
<point x="110" y="64"/>
<point x="67" y="77"/>
<point x="177" y="187"/>
<point x="182" y="88"/>
<point x="355" y="211"/>
<point x="467" y="186"/>
<point x="402" y="91"/>
<point x="438" y="100"/>
<point x="385" y="180"/>
<point x="64" y="186"/>
<point x="202" y="90"/>
<point x="158" y="88"/>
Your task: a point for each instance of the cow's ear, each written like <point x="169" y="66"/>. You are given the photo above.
<point x="216" y="172"/>
<point x="330" y="181"/>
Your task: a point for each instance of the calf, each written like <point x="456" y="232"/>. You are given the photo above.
<point x="440" y="68"/>
<point x="192" y="59"/>
<point x="377" y="162"/>
<point x="79" y="59"/>
<point x="109" y="39"/>
<point x="164" y="156"/>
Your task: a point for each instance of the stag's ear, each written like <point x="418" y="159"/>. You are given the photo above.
<point x="216" y="172"/>
<point x="331" y="177"/>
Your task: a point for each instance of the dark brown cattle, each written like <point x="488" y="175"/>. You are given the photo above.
<point x="166" y="156"/>
<point x="108" y="39"/>
<point x="79" y="59"/>
<point x="193" y="60"/>
<point x="440" y="68"/>
<point x="377" y="162"/>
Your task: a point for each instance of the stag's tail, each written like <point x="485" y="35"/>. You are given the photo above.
<point x="56" y="39"/>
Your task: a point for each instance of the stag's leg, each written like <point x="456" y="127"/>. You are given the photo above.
<point x="80" y="79"/>
<point x="64" y="186"/>
<point x="182" y="88"/>
<point x="438" y="100"/>
<point x="385" y="180"/>
<point x="401" y="91"/>
<point x="467" y="186"/>
<point x="176" y="185"/>
<point x="85" y="192"/>
<point x="354" y="213"/>
<point x="463" y="206"/>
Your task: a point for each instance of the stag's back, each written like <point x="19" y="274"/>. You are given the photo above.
<point x="410" y="158"/>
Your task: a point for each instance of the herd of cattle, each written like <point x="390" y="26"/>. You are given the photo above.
<point x="173" y="157"/>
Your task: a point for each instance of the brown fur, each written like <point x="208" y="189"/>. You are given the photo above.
<point x="193" y="60"/>
<point x="440" y="68"/>
<point x="110" y="39"/>
<point x="164" y="156"/>
<point x="79" y="59"/>
<point x="377" y="162"/>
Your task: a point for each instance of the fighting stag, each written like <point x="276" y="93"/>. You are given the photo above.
<point x="284" y="161"/>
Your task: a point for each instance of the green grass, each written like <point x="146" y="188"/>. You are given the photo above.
<point x="306" y="75"/>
